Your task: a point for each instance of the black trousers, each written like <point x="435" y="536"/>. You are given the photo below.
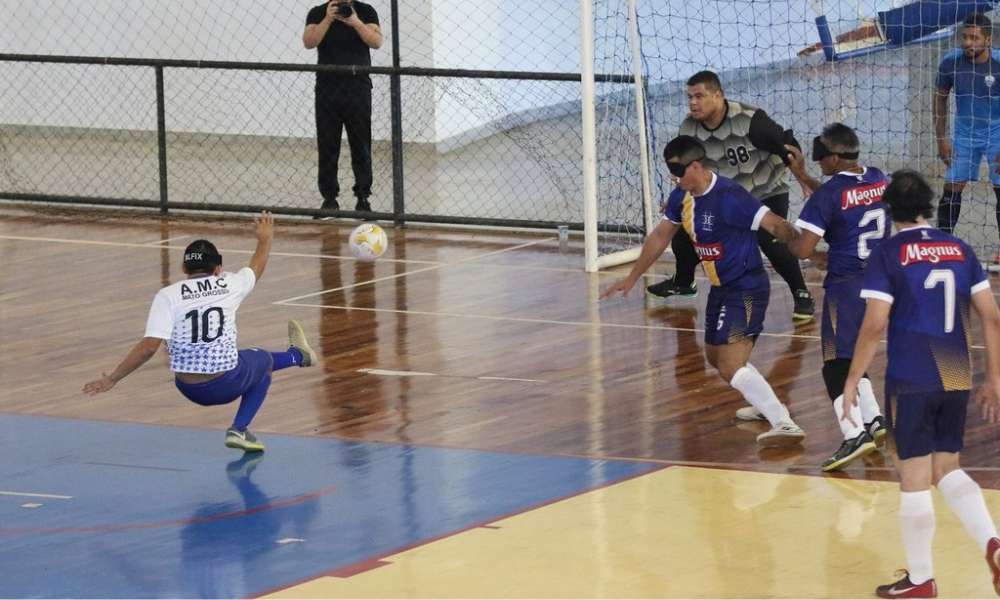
<point x="784" y="262"/>
<point x="340" y="107"/>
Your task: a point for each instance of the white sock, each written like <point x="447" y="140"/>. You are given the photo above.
<point x="849" y="431"/>
<point x="867" y="401"/>
<point x="757" y="391"/>
<point x="916" y="521"/>
<point x="965" y="499"/>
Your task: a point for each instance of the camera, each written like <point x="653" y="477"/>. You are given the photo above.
<point x="344" y="9"/>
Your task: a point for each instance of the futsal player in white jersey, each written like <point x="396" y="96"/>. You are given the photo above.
<point x="197" y="318"/>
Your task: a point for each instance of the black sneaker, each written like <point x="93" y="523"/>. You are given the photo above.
<point x="363" y="205"/>
<point x="877" y="430"/>
<point x="666" y="288"/>
<point x="805" y="308"/>
<point x="328" y="204"/>
<point x="853" y="448"/>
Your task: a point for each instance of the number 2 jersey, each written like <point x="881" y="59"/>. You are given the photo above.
<point x="847" y="212"/>
<point x="929" y="277"/>
<point x="197" y="317"/>
<point x="721" y="223"/>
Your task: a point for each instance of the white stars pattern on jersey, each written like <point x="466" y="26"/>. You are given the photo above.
<point x="197" y="317"/>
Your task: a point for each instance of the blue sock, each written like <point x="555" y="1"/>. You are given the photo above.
<point x="283" y="360"/>
<point x="250" y="404"/>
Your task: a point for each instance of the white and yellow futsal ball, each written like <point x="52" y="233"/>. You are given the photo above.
<point x="368" y="242"/>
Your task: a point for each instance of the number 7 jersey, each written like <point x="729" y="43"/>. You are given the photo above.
<point x="929" y="277"/>
<point x="197" y="317"/>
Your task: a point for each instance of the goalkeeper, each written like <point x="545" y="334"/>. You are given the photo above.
<point x="744" y="144"/>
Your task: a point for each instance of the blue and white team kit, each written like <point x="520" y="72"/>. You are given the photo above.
<point x="197" y="317"/>
<point x="722" y="223"/>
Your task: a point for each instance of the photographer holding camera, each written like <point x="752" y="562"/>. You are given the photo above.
<point x="344" y="33"/>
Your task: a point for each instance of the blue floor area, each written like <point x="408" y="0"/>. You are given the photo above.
<point x="165" y="512"/>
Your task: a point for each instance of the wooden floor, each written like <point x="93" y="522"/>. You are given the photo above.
<point x="477" y="340"/>
<point x="461" y="339"/>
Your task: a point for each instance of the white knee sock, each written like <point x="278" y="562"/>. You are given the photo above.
<point x="759" y="394"/>
<point x="849" y="431"/>
<point x="866" y="401"/>
<point x="916" y="521"/>
<point x="965" y="499"/>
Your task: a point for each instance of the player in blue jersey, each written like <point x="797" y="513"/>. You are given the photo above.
<point x="197" y="318"/>
<point x="721" y="219"/>
<point x="847" y="212"/>
<point x="921" y="284"/>
<point x="973" y="73"/>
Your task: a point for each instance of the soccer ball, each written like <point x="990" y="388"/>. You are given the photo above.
<point x="368" y="242"/>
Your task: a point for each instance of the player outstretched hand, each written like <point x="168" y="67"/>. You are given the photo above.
<point x="989" y="398"/>
<point x="263" y="225"/>
<point x="97" y="386"/>
<point x="622" y="285"/>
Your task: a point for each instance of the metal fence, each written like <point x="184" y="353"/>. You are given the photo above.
<point x="144" y="128"/>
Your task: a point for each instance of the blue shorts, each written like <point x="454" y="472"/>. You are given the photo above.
<point x="920" y="424"/>
<point x="843" y="311"/>
<point x="735" y="315"/>
<point x="253" y="366"/>
<point x="966" y="156"/>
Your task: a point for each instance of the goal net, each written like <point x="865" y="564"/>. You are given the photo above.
<point x="870" y="64"/>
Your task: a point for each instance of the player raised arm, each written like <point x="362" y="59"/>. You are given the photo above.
<point x="263" y="225"/>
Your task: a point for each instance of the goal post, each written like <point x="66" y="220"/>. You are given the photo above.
<point x="614" y="237"/>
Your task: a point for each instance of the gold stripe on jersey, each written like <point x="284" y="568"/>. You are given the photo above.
<point x="830" y="343"/>
<point x="890" y="440"/>
<point x="687" y="218"/>
<point x="955" y="369"/>
<point x="739" y="330"/>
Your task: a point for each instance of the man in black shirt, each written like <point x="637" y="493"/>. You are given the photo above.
<point x="344" y="32"/>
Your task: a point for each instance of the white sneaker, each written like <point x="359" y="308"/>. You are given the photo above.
<point x="782" y="434"/>
<point x="750" y="413"/>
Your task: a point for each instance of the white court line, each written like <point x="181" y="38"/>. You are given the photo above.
<point x="289" y="301"/>
<point x="161" y="242"/>
<point x="390" y="373"/>
<point x="30" y="495"/>
<point x="538" y="321"/>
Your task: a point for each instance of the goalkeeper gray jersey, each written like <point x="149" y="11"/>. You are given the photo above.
<point x="732" y="155"/>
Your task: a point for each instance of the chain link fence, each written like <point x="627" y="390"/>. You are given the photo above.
<point x="188" y="105"/>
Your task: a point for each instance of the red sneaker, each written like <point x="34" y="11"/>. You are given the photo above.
<point x="904" y="589"/>
<point x="993" y="560"/>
